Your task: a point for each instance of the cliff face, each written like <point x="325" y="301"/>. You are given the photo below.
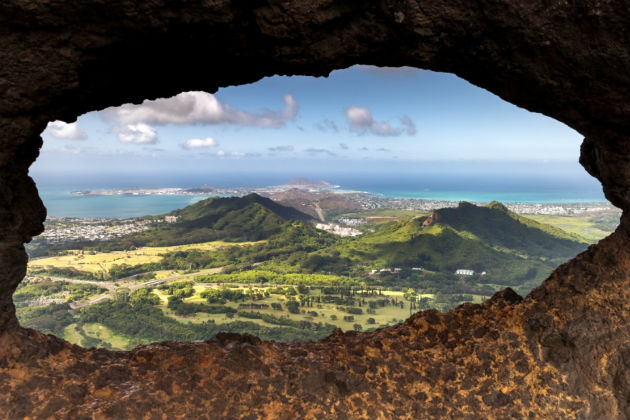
<point x="562" y="352"/>
<point x="433" y="218"/>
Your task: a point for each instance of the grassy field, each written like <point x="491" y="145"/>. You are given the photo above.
<point x="583" y="226"/>
<point x="78" y="334"/>
<point x="103" y="333"/>
<point x="384" y="315"/>
<point x="71" y="334"/>
<point x="93" y="333"/>
<point x="102" y="261"/>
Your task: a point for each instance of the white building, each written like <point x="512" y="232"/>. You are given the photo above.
<point x="463" y="272"/>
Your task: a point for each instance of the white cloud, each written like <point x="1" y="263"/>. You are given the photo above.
<point x="62" y="130"/>
<point x="198" y="108"/>
<point x="233" y="155"/>
<point x="291" y="107"/>
<point x="360" y="119"/>
<point x="287" y="148"/>
<point x="315" y="152"/>
<point x="136" y="133"/>
<point x="384" y="129"/>
<point x="409" y="124"/>
<point x="200" y="143"/>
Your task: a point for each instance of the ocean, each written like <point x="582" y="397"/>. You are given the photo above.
<point x="56" y="190"/>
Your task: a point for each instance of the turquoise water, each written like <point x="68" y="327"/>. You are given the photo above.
<point x="538" y="188"/>
<point x="60" y="202"/>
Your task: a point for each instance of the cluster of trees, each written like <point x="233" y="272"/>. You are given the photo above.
<point x="144" y="296"/>
<point x="262" y="276"/>
<point x="69" y="272"/>
<point x="28" y="290"/>
<point x="293" y="306"/>
<point x="147" y="323"/>
<point x="180" y="289"/>
<point x="298" y="324"/>
<point x="182" y="308"/>
<point x="51" y="319"/>
<point x="222" y="295"/>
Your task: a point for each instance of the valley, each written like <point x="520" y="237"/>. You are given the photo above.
<point x="253" y="265"/>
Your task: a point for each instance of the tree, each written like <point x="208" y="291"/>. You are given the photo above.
<point x="357" y="327"/>
<point x="371" y="321"/>
<point x="293" y="306"/>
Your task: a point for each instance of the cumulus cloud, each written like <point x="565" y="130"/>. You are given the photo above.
<point x="200" y="143"/>
<point x="199" y="108"/>
<point x="360" y="119"/>
<point x="343" y="146"/>
<point x="136" y="133"/>
<point x="320" y="152"/>
<point x="234" y="154"/>
<point x="287" y="148"/>
<point x="410" y="126"/>
<point x="62" y="130"/>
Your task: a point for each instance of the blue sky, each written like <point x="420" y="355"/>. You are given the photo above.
<point x="360" y="118"/>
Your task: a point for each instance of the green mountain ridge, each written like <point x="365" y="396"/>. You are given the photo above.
<point x="211" y="209"/>
<point x="231" y="219"/>
<point x="511" y="249"/>
<point x="496" y="225"/>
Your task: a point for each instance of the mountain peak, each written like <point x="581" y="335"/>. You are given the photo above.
<point x="496" y="205"/>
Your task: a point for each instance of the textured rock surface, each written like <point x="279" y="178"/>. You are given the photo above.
<point x="563" y="352"/>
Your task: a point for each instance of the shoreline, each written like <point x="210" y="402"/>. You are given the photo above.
<point x="136" y="202"/>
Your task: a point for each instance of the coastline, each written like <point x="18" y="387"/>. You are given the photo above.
<point x="139" y="202"/>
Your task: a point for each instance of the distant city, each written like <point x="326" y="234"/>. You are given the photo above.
<point x="306" y="193"/>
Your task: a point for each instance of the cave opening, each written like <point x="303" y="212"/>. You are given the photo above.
<point x="407" y="238"/>
<point x="560" y="353"/>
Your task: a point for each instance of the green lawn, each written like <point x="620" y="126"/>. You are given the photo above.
<point x="103" y="333"/>
<point x="583" y="226"/>
<point x="71" y="334"/>
<point x="384" y="315"/>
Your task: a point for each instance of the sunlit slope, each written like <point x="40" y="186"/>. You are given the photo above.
<point x="496" y="225"/>
<point x="509" y="248"/>
<point x="237" y="219"/>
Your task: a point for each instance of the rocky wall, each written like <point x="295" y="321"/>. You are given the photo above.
<point x="562" y="352"/>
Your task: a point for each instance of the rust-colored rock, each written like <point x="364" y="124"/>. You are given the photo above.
<point x="557" y="354"/>
<point x="562" y="352"/>
<point x="433" y="218"/>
